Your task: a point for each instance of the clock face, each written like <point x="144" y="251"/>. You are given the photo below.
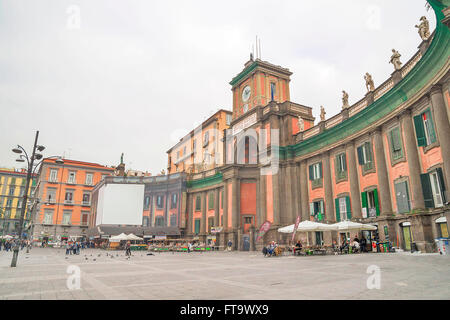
<point x="246" y="93"/>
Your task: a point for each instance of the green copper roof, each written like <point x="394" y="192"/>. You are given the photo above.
<point x="433" y="60"/>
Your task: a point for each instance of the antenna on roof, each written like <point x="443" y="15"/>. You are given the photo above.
<point x="259" y="48"/>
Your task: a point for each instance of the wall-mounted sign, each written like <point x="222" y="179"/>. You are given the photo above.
<point x="245" y="123"/>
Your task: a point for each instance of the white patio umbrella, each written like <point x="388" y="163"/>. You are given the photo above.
<point x="307" y="226"/>
<point x="120" y="237"/>
<point x="287" y="229"/>
<point x="7" y="237"/>
<point x="311" y="226"/>
<point x="131" y="236"/>
<point x="354" y="226"/>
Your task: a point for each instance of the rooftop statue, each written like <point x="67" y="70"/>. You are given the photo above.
<point x="424" y="28"/>
<point x="395" y="59"/>
<point x="121" y="158"/>
<point x="369" y="82"/>
<point x="344" y="100"/>
<point x="301" y="124"/>
<point x="322" y="113"/>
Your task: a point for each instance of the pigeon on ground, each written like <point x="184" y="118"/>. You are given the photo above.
<point x="95" y="259"/>
<point x="66" y="257"/>
<point x="150" y="254"/>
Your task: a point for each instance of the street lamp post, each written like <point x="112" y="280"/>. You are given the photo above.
<point x="30" y="161"/>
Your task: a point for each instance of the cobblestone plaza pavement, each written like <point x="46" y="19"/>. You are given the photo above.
<point x="42" y="274"/>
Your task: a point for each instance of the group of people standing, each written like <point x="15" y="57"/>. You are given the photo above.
<point x="8" y="245"/>
<point x="73" y="247"/>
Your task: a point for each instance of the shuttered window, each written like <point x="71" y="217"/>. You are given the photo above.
<point x="402" y="197"/>
<point x="197" y="226"/>
<point x="317" y="209"/>
<point x="198" y="203"/>
<point x="343" y="209"/>
<point x="365" y="155"/>
<point x="396" y="143"/>
<point x="315" y="171"/>
<point x="370" y="203"/>
<point x="211" y="201"/>
<point x="433" y="188"/>
<point x="424" y="126"/>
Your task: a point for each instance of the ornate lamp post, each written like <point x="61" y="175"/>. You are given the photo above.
<point x="30" y="161"/>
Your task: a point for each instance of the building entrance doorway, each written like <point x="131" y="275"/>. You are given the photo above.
<point x="245" y="242"/>
<point x="406" y="231"/>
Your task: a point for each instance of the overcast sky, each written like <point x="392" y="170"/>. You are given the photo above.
<point x="102" y="77"/>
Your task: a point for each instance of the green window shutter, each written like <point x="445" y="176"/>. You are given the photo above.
<point x="311" y="174"/>
<point x="368" y="148"/>
<point x="377" y="205"/>
<point x="198" y="204"/>
<point x="426" y="190"/>
<point x="364" y="202"/>
<point x="322" y="208"/>
<point x="360" y="155"/>
<point x="197" y="226"/>
<point x="320" y="170"/>
<point x="211" y="201"/>
<point x="338" y="213"/>
<point x="420" y="131"/>
<point x="395" y="140"/>
<point x="336" y="165"/>
<point x="432" y="133"/>
<point x="442" y="183"/>
<point x="311" y="208"/>
<point x="348" y="207"/>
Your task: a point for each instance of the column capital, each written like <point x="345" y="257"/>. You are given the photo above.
<point x="437" y="88"/>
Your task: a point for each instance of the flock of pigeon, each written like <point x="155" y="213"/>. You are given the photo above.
<point x="109" y="255"/>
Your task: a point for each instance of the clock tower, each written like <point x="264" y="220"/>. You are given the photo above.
<point x="259" y="83"/>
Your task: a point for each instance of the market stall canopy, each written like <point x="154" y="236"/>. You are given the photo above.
<point x="133" y="237"/>
<point x="350" y="225"/>
<point x="120" y="237"/>
<point x="6" y="237"/>
<point x="307" y="226"/>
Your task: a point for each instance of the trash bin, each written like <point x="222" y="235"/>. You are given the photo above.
<point x="442" y="244"/>
<point x="385" y="247"/>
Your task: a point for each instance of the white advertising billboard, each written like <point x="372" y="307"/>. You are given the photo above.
<point x="120" y="204"/>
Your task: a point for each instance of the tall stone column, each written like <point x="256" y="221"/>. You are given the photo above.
<point x="225" y="206"/>
<point x="258" y="200"/>
<point x="355" y="193"/>
<point x="216" y="207"/>
<point x="328" y="186"/>
<point x="304" y="190"/>
<point x="384" y="189"/>
<point x="235" y="203"/>
<point x="413" y="160"/>
<point x="203" y="219"/>
<point x="274" y="125"/>
<point x="262" y="201"/>
<point x="190" y="205"/>
<point x="442" y="128"/>
<point x="291" y="189"/>
<point x="276" y="198"/>
<point x="286" y="205"/>
<point x="297" y="197"/>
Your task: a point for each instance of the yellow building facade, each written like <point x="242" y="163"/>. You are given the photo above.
<point x="12" y="190"/>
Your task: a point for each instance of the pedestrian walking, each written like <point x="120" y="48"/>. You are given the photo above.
<point x="128" y="249"/>
<point x="78" y="247"/>
<point x="230" y="243"/>
<point x="189" y="247"/>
